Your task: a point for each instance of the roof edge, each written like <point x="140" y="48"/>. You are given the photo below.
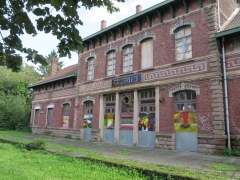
<point x="129" y="18"/>
<point x="45" y="82"/>
<point x="227" y="32"/>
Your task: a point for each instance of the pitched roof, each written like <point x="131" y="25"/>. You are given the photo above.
<point x="234" y="22"/>
<point x="232" y="25"/>
<point x="61" y="74"/>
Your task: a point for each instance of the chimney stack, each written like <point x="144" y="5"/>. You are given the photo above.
<point x="138" y="8"/>
<point x="54" y="66"/>
<point x="103" y="24"/>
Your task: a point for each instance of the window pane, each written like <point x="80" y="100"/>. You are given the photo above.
<point x="179" y="34"/>
<point x="178" y="43"/>
<point x="187" y="31"/>
<point x="188" y="54"/>
<point x="179" y="50"/>
<point x="189" y="40"/>
<point x="189" y="95"/>
<point x="194" y="106"/>
<point x="179" y="57"/>
<point x="150" y="93"/>
<point x="182" y="97"/>
<point x="193" y="95"/>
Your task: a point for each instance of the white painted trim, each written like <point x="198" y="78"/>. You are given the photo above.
<point x="51" y="105"/>
<point x="88" y="98"/>
<point x="146" y="35"/>
<point x="180" y="24"/>
<point x="37" y="106"/>
<point x="184" y="86"/>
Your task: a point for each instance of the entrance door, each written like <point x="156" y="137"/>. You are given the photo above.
<point x="50" y="117"/>
<point x="185" y="121"/>
<point x="36" y="117"/>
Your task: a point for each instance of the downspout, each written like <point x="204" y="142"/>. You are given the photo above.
<point x="226" y="94"/>
<point x="219" y="17"/>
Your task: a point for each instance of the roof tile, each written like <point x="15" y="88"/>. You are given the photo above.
<point x="63" y="72"/>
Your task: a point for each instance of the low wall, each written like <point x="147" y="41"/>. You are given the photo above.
<point x="211" y="143"/>
<point x="75" y="133"/>
<point x="165" y="140"/>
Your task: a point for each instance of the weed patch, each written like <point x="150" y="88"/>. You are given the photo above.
<point x="36" y="145"/>
<point x="124" y="152"/>
<point x="221" y="167"/>
<point x="68" y="136"/>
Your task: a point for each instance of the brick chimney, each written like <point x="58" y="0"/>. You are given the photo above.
<point x="138" y="8"/>
<point x="103" y="24"/>
<point x="54" y="66"/>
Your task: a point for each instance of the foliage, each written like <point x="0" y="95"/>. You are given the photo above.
<point x="36" y="145"/>
<point x="45" y="69"/>
<point x="68" y="136"/>
<point x="14" y="19"/>
<point x="231" y="152"/>
<point x="15" y="98"/>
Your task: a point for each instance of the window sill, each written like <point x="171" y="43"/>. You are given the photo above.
<point x="183" y="61"/>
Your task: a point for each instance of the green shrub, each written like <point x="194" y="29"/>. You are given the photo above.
<point x="231" y="152"/>
<point x="36" y="145"/>
<point x="68" y="136"/>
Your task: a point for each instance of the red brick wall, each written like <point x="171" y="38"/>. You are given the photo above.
<point x="166" y="112"/>
<point x="164" y="46"/>
<point x="234" y="105"/>
<point x="204" y="109"/>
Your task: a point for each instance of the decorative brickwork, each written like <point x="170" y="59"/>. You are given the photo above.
<point x="95" y="86"/>
<point x="177" y="71"/>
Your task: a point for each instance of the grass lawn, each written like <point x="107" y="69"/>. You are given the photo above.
<point x="22" y="163"/>
<point x="18" y="163"/>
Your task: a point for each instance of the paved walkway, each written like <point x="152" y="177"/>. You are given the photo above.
<point x="191" y="160"/>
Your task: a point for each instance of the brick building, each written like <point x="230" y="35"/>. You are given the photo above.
<point x="154" y="79"/>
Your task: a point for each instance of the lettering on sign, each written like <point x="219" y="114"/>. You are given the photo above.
<point x="127" y="80"/>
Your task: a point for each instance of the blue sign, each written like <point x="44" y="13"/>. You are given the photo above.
<point x="136" y="78"/>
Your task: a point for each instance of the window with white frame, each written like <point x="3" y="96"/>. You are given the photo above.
<point x="111" y="63"/>
<point x="183" y="43"/>
<point x="90" y="74"/>
<point x="128" y="58"/>
<point x="185" y="101"/>
<point x="147" y="53"/>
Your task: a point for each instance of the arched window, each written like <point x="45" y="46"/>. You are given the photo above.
<point x="66" y="109"/>
<point x="128" y="58"/>
<point x="183" y="43"/>
<point x="91" y="62"/>
<point x="185" y="101"/>
<point x="111" y="63"/>
<point x="147" y="53"/>
<point x="88" y="107"/>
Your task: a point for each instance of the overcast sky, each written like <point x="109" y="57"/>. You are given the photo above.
<point x="45" y="43"/>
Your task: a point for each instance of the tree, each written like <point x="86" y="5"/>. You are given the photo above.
<point x="15" y="20"/>
<point x="15" y="98"/>
<point x="45" y="69"/>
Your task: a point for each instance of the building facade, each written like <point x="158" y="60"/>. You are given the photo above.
<point x="155" y="79"/>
